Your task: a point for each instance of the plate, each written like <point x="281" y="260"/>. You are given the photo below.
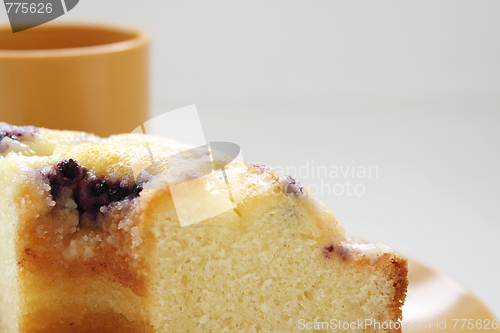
<point x="437" y="303"/>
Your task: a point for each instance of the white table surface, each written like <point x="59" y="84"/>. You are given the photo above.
<point x="410" y="89"/>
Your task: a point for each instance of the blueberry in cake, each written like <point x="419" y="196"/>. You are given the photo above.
<point x="90" y="246"/>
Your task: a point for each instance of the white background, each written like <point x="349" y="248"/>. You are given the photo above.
<point x="411" y="88"/>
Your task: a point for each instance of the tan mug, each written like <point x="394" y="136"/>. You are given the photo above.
<point x="84" y="77"/>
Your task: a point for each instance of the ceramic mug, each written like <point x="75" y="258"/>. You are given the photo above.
<point x="84" y="77"/>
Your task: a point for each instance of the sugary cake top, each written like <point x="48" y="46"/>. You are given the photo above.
<point x="103" y="170"/>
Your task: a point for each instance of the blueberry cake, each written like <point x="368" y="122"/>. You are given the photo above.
<point x="91" y="244"/>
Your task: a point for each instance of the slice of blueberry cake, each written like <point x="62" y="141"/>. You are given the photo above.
<point x="115" y="235"/>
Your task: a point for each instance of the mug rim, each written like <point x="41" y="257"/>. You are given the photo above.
<point x="139" y="38"/>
